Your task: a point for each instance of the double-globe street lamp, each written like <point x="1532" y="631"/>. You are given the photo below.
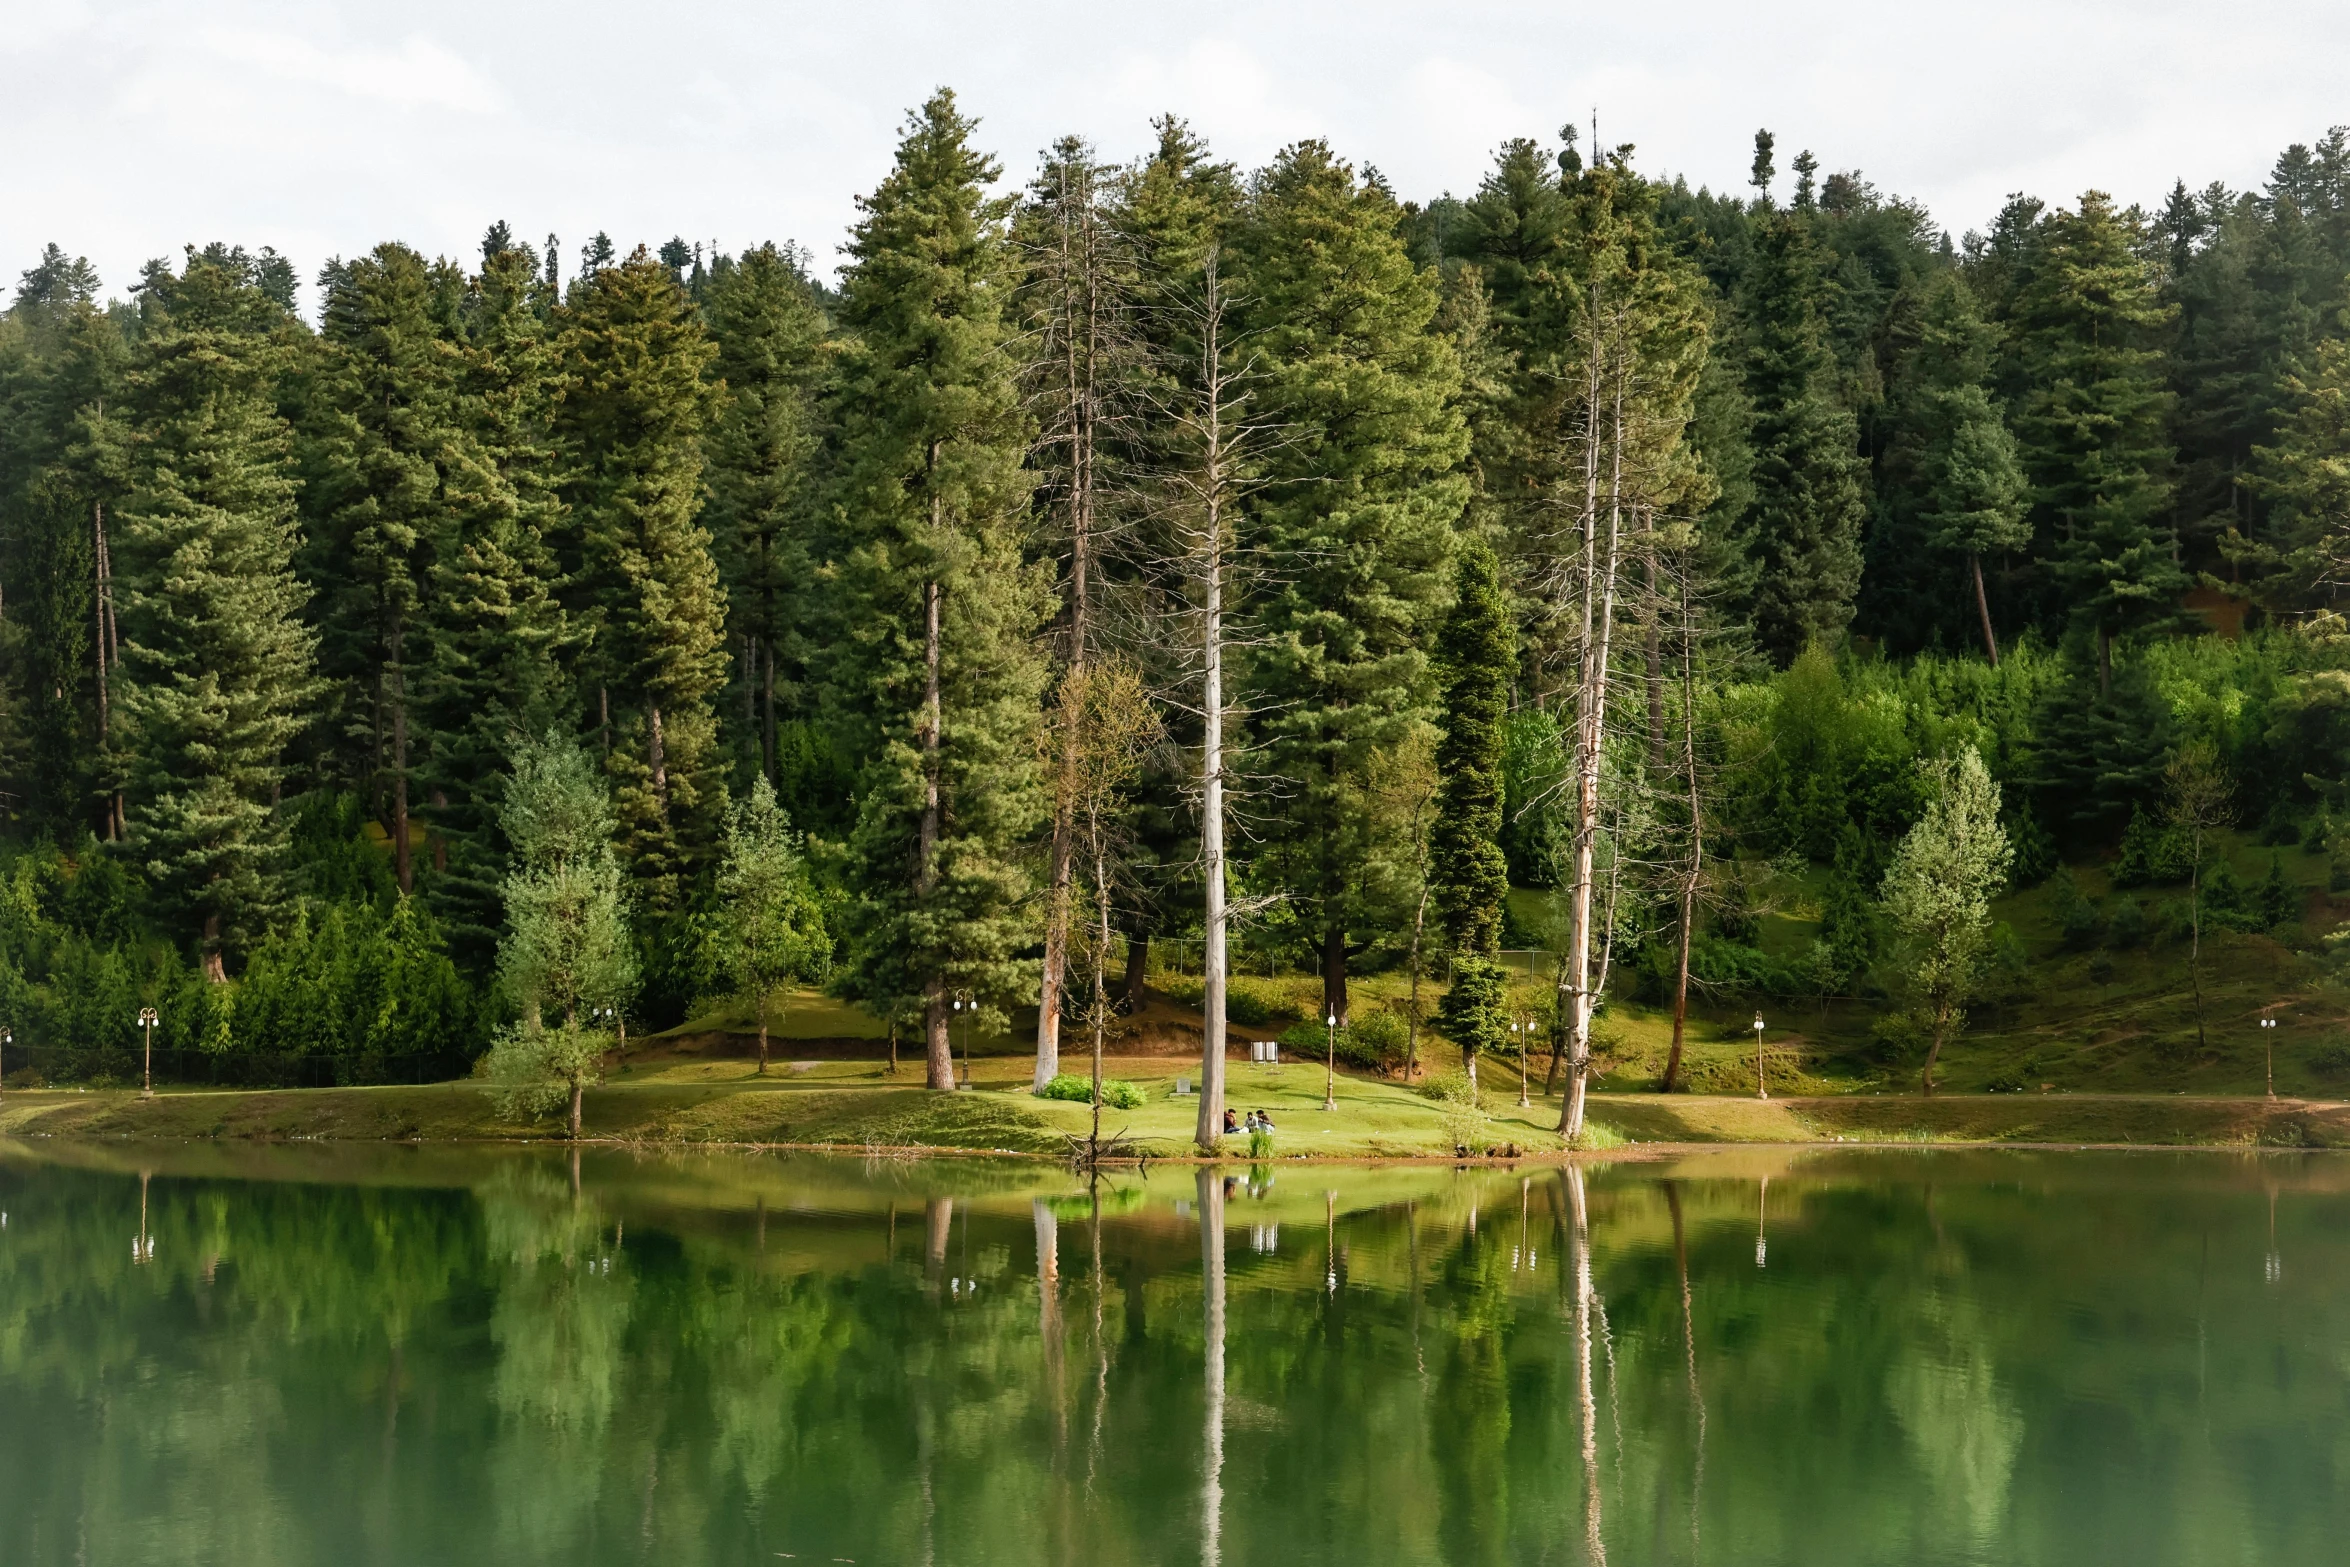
<point x="147" y="1019"/>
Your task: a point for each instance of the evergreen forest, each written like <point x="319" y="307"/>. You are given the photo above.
<point x="1117" y="567"/>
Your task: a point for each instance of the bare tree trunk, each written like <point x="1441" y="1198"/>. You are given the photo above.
<point x="1599" y="605"/>
<point x="1652" y="639"/>
<point x="1137" y="983"/>
<point x="1101" y="992"/>
<point x="1692" y="878"/>
<point x="578" y="1093"/>
<point x="1411" y="1042"/>
<point x="215" y="966"/>
<point x="1983" y="607"/>
<point x="2195" y="935"/>
<point x="1079" y="366"/>
<point x="762" y="1033"/>
<point x="1215" y="978"/>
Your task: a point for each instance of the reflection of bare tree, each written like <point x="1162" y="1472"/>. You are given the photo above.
<point x="1689" y="1356"/>
<point x="1595" y="1548"/>
<point x="1048" y="1318"/>
<point x="938" y="1225"/>
<point x="1211" y="1256"/>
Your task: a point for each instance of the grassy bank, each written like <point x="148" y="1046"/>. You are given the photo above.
<point x="858" y="1105"/>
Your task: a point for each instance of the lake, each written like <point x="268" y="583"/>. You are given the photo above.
<point x="342" y="1354"/>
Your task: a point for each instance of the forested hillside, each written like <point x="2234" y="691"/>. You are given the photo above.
<point x="1253" y="562"/>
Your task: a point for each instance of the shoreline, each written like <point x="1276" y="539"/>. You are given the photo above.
<point x="846" y="1115"/>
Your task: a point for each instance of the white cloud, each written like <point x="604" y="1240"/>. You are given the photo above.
<point x="417" y="73"/>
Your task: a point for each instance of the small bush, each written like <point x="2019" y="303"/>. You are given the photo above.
<point x="2077" y="915"/>
<point x="2101" y="969"/>
<point x="2316" y="833"/>
<point x="1117" y="1093"/>
<point x="2128" y="926"/>
<point x="1375" y="1041"/>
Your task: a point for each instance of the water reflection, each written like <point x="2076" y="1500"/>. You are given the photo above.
<point x="1961" y="1358"/>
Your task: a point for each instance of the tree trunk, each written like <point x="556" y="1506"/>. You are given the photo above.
<point x="578" y="1092"/>
<point x="1334" y="973"/>
<point x="657" y="752"/>
<point x="1599" y="584"/>
<point x="934" y="1023"/>
<point x="1411" y="1038"/>
<point x="98" y="606"/>
<point x="1694" y="876"/>
<point x="403" y="861"/>
<point x="938" y="1048"/>
<point x="1652" y="639"/>
<point x="1101" y="994"/>
<point x="2195" y="937"/>
<point x="215" y="966"/>
<point x="762" y="1033"/>
<point x="1983" y="608"/>
<point x="1077" y="305"/>
<point x="767" y="719"/>
<point x="1934" y="1048"/>
<point x="1136" y="984"/>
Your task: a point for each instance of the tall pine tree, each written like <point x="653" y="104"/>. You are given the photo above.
<point x="1468" y="878"/>
<point x="630" y="410"/>
<point x="932" y="676"/>
<point x="2090" y="424"/>
<point x="1804" y="521"/>
<point x="216" y="661"/>
<point x="1354" y="519"/>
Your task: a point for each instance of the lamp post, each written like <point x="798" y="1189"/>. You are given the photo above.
<point x="1761" y="1089"/>
<point x="7" y="1038"/>
<point x="1519" y="1029"/>
<point x="147" y="1021"/>
<point x="2270" y="1039"/>
<point x="964" y="1007"/>
<point x="1330" y="1062"/>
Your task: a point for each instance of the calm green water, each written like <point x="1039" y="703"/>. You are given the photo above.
<point x="339" y="1356"/>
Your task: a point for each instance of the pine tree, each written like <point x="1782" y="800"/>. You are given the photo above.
<point x="216" y="662"/>
<point x="931" y="674"/>
<point x="1355" y="518"/>
<point x="2090" y="423"/>
<point x="770" y="333"/>
<point x="1468" y="880"/>
<point x="2302" y="558"/>
<point x="566" y="959"/>
<point x="62" y="475"/>
<point x="380" y="430"/>
<point x="492" y="631"/>
<point x="630" y="410"/>
<point x="1951" y="483"/>
<point x="1805" y="519"/>
<point x="773" y="930"/>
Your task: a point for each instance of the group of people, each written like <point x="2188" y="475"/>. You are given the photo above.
<point x="1259" y="1127"/>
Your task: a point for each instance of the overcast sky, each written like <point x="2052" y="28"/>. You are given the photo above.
<point x="326" y="126"/>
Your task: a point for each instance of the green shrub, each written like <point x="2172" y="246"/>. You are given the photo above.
<point x="2077" y="916"/>
<point x="2128" y="926"/>
<point x="2316" y="833"/>
<point x="2276" y="900"/>
<point x="2331" y="1057"/>
<point x="1117" y="1093"/>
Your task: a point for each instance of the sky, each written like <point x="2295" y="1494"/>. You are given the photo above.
<point x="325" y="127"/>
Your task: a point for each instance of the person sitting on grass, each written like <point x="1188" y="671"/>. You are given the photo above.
<point x="1231" y="1122"/>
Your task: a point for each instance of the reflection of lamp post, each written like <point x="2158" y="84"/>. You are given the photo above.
<point x="143" y="1245"/>
<point x="1762" y="1208"/>
<point x="2275" y="1262"/>
<point x="1330" y="1063"/>
<point x="147" y="1020"/>
<point x="1761" y="1090"/>
<point x="2266" y="1024"/>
